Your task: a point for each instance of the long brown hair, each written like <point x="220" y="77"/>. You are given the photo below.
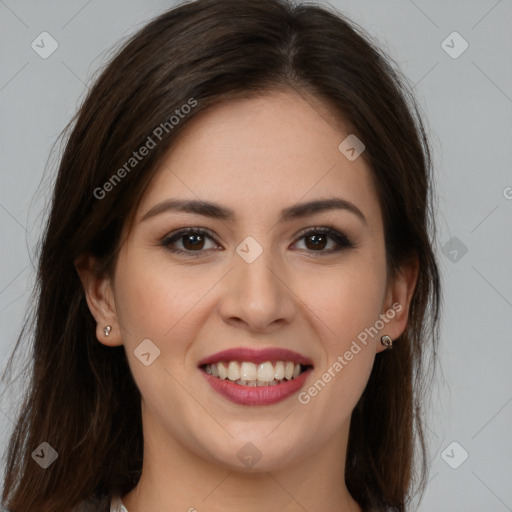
<point x="82" y="398"/>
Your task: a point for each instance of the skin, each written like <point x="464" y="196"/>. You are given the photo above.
<point x="255" y="156"/>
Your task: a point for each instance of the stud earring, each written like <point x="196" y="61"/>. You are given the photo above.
<point x="107" y="330"/>
<point x="387" y="342"/>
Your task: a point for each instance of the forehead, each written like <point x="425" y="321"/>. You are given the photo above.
<point x="258" y="154"/>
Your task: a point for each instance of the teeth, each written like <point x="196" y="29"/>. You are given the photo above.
<point x="266" y="372"/>
<point x="223" y="371"/>
<point x="233" y="370"/>
<point x="288" y="370"/>
<point x="248" y="371"/>
<point x="279" y="374"/>
<point x="249" y="374"/>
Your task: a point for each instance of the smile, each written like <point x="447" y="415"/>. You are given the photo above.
<point x="247" y="373"/>
<point x="247" y="376"/>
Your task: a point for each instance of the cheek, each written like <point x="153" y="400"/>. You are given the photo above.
<point x="157" y="301"/>
<point x="348" y="353"/>
<point x="165" y="304"/>
<point x="345" y="300"/>
<point x="346" y="306"/>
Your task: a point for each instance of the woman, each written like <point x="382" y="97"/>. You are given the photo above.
<point x="237" y="284"/>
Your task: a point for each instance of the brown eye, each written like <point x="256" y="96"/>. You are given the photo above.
<point x="317" y="239"/>
<point x="190" y="239"/>
<point x="193" y="241"/>
<point x="321" y="240"/>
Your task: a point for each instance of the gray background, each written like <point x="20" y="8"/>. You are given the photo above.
<point x="468" y="104"/>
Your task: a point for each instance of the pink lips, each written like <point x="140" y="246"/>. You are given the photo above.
<point x="257" y="395"/>
<point x="257" y="356"/>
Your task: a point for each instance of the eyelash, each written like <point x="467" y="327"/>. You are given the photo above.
<point x="342" y="241"/>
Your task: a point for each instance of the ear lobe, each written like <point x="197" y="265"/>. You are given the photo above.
<point x="398" y="300"/>
<point x="100" y="300"/>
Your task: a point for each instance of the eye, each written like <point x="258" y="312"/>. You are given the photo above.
<point x="191" y="239"/>
<point x="317" y="238"/>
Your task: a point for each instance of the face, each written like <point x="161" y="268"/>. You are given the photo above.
<point x="257" y="272"/>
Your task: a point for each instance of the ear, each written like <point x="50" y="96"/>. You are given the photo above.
<point x="398" y="299"/>
<point x="100" y="299"/>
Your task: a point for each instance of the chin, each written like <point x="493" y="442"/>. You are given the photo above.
<point x="256" y="453"/>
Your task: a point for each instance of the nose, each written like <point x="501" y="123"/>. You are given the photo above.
<point x="258" y="296"/>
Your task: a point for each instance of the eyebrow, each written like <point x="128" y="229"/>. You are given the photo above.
<point x="216" y="211"/>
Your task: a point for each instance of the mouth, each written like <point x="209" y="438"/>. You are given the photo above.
<point x="247" y="376"/>
<point x="247" y="373"/>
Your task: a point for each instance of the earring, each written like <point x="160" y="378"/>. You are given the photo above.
<point x="387" y="342"/>
<point x="107" y="330"/>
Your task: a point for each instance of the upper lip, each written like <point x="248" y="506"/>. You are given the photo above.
<point x="257" y="356"/>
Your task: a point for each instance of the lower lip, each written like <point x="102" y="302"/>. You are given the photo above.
<point x="256" y="395"/>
